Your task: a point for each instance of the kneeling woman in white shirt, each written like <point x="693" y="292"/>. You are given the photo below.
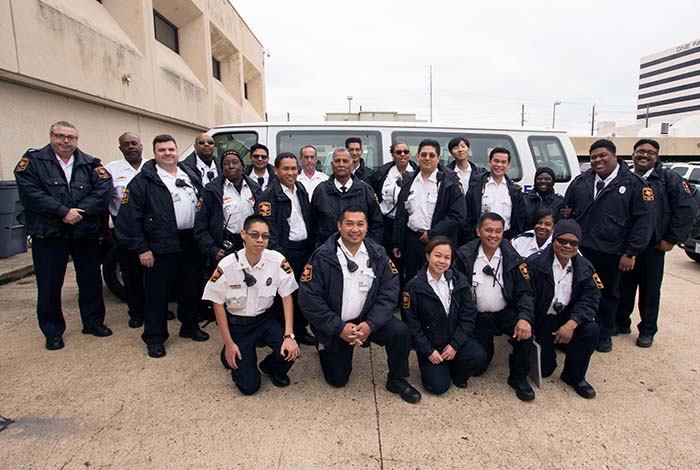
<point x="534" y="241"/>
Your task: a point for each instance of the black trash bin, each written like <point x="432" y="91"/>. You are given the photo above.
<point x="13" y="233"/>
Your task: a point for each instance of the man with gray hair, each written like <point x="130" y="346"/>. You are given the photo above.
<point x="64" y="193"/>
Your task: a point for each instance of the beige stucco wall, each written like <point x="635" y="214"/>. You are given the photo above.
<point x="66" y="59"/>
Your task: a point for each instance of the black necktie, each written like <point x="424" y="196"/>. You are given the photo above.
<point x="261" y="180"/>
<point x="599" y="187"/>
<point x="343" y="189"/>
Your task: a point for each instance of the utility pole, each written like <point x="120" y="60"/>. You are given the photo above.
<point x="431" y="93"/>
<point x="288" y="117"/>
<point x="349" y="104"/>
<point x="593" y="120"/>
<point x="522" y="115"/>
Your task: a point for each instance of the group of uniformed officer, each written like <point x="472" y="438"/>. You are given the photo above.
<point x="276" y="248"/>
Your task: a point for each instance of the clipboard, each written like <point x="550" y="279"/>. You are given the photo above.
<point x="535" y="373"/>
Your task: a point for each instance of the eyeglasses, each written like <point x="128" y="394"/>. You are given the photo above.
<point x="566" y="241"/>
<point x="202" y="142"/>
<point x="256" y="235"/>
<point x="642" y="152"/>
<point x="259" y="157"/>
<point x="402" y="152"/>
<point x="428" y="154"/>
<point x="70" y="138"/>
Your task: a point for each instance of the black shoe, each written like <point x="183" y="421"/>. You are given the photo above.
<point x="461" y="383"/>
<point x="404" y="389"/>
<point x="303" y="337"/>
<point x="171" y="315"/>
<point x="583" y="388"/>
<point x="99" y="330"/>
<point x="522" y="387"/>
<point x="278" y="379"/>
<point x="196" y="334"/>
<point x="222" y="356"/>
<point x="135" y="322"/>
<point x="156" y="350"/>
<point x="645" y="341"/>
<point x="54" y="342"/>
<point x="604" y="345"/>
<point x="621" y="330"/>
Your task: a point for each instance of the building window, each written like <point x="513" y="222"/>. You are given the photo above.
<point x="245" y="90"/>
<point x="216" y="68"/>
<point x="166" y="32"/>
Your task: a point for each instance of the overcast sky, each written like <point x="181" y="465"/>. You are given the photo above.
<point x="488" y="58"/>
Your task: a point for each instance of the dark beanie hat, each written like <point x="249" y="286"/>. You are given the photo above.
<point x="567" y="226"/>
<point x="225" y="154"/>
<point x="544" y="169"/>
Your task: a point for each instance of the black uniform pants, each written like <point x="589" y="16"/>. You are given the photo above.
<point x="178" y="272"/>
<point x="490" y="324"/>
<point x="470" y="360"/>
<point x="50" y="256"/>
<point x="297" y="253"/>
<point x="263" y="329"/>
<point x="413" y="254"/>
<point x="132" y="275"/>
<point x="387" y="243"/>
<point x="336" y="359"/>
<point x="578" y="351"/>
<point x="648" y="273"/>
<point x="606" y="265"/>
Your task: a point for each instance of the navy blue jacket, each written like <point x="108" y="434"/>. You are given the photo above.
<point x="270" y="172"/>
<point x="146" y="218"/>
<point x="365" y="173"/>
<point x="585" y="287"/>
<point x="191" y="163"/>
<point x="209" y="220"/>
<point x="449" y="215"/>
<point x="534" y="201"/>
<point x="517" y="289"/>
<point x="47" y="197"/>
<point x="328" y="202"/>
<point x="321" y="291"/>
<point x="431" y="329"/>
<point x="383" y="171"/>
<point x="674" y="206"/>
<point x="276" y="207"/>
<point x="619" y="221"/>
<point x="517" y="216"/>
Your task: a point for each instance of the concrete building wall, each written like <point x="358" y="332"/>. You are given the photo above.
<point x="99" y="65"/>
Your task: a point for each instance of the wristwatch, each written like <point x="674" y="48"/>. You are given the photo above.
<point x="290" y="336"/>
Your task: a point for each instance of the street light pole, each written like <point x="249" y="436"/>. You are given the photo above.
<point x="349" y="104"/>
<point x="554" y="112"/>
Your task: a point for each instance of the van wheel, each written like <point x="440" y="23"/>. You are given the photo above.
<point x="113" y="275"/>
<point x="694" y="256"/>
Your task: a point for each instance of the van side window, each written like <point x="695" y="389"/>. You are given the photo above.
<point x="326" y="141"/>
<point x="481" y="146"/>
<point x="548" y="151"/>
<point x="694" y="176"/>
<point x="238" y="141"/>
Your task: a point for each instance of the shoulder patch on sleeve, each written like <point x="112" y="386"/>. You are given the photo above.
<point x="22" y="164"/>
<point x="406" y="300"/>
<point x="217" y="274"/>
<point x="265" y="208"/>
<point x="102" y="172"/>
<point x="286" y="267"/>
<point x="392" y="266"/>
<point x="125" y="196"/>
<point x="308" y="273"/>
<point x="647" y="194"/>
<point x="598" y="282"/>
<point x="199" y="205"/>
<point x="524" y="271"/>
<point x="686" y="188"/>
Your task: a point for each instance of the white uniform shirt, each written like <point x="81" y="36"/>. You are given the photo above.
<point x="563" y="281"/>
<point x="348" y="185"/>
<point x="489" y="296"/>
<point x="273" y="275"/>
<point x="356" y="285"/>
<point x="605" y="181"/>
<point x="67" y="168"/>
<point x="311" y="183"/>
<point x="421" y="200"/>
<point x="526" y="246"/>
<point x="184" y="199"/>
<point x="265" y="177"/>
<point x="237" y="206"/>
<point x="204" y="170"/>
<point x="297" y="226"/>
<point x="442" y="289"/>
<point x="390" y="192"/>
<point x="122" y="173"/>
<point x="496" y="198"/>
<point x="464" y="176"/>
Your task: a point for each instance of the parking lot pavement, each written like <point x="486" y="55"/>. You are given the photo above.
<point x="101" y="403"/>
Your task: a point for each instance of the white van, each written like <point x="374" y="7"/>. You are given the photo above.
<point x="530" y="148"/>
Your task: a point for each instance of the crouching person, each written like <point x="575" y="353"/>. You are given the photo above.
<point x="441" y="314"/>
<point x="348" y="293"/>
<point x="242" y="290"/>
<point x="567" y="292"/>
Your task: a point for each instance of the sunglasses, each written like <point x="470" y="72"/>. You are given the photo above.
<point x="256" y="235"/>
<point x="402" y="152"/>
<point x="259" y="157"/>
<point x="428" y="154"/>
<point x="202" y="142"/>
<point x="566" y="241"/>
